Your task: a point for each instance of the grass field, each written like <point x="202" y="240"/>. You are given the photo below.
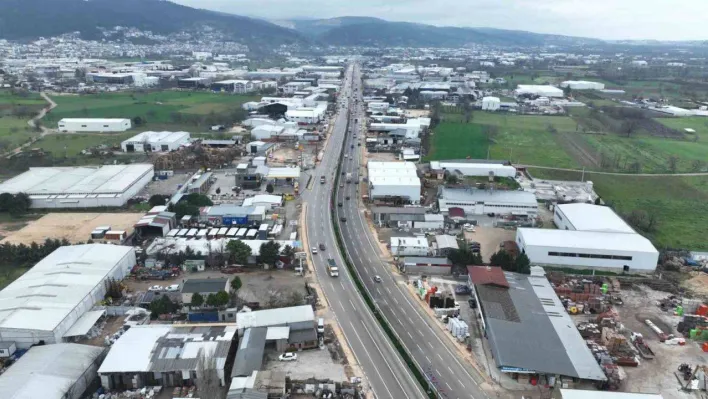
<point x="679" y="203"/>
<point x="454" y="140"/>
<point x="155" y="107"/>
<point x="13" y="132"/>
<point x="72" y="144"/>
<point x="697" y="123"/>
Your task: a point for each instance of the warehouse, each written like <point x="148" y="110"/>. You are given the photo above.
<point x="155" y="142"/>
<point x="498" y="169"/>
<point x="265" y="132"/>
<point x="491" y="103"/>
<point x="306" y="116"/>
<point x="600" y="250"/>
<point x="481" y="202"/>
<point x="80" y="187"/>
<point x="166" y="355"/>
<point x="588" y="217"/>
<point x="232" y="215"/>
<point x="94" y="125"/>
<point x="59" y="371"/>
<point x="394" y="216"/>
<point x="394" y="181"/>
<point x="527" y="328"/>
<point x="409" y="246"/>
<point x="539" y="91"/>
<point x="417" y="265"/>
<point x="46" y="302"/>
<point x="582" y="85"/>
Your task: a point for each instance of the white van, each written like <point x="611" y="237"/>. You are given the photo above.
<point x="320" y="326"/>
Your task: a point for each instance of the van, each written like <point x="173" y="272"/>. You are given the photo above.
<point x="320" y="326"/>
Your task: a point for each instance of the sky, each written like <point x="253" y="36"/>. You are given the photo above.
<point x="604" y="19"/>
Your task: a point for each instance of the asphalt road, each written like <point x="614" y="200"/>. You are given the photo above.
<point x="452" y="376"/>
<point x="388" y="375"/>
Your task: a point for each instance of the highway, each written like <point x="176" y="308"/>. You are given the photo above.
<point x="387" y="374"/>
<point x="438" y="358"/>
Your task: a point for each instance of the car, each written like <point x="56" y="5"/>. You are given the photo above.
<point x="377" y="278"/>
<point x="358" y="144"/>
<point x="314" y="250"/>
<point x="352" y="146"/>
<point x="339" y="204"/>
<point x="472" y="302"/>
<point x="341" y="184"/>
<point x="172" y="288"/>
<point x="347" y="197"/>
<point x="344" y="173"/>
<point x="156" y="288"/>
<point x="288" y="357"/>
<point x="343" y="219"/>
<point x="322" y="247"/>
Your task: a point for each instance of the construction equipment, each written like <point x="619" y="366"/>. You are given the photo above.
<point x="643" y="349"/>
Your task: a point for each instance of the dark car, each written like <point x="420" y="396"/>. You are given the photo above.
<point x="352" y="146"/>
<point x="358" y="144"/>
<point x="339" y="204"/>
<point x="343" y="219"/>
<point x="347" y="197"/>
<point x="322" y="247"/>
<point x="472" y="302"/>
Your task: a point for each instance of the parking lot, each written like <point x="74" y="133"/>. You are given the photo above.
<point x="312" y="363"/>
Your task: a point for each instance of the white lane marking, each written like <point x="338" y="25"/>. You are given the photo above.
<point x="388" y="289"/>
<point x="431" y="345"/>
<point x="372" y="360"/>
<point x="385" y="361"/>
<point x="419" y="348"/>
<point x="395" y="300"/>
<point x="399" y="321"/>
<point x="426" y="358"/>
<point x="377" y="290"/>
<point x="409" y="334"/>
<point x="342" y="284"/>
<point x="448" y="386"/>
<point x="448" y="367"/>
<point x="440" y="357"/>
<point x="354" y="307"/>
<point x="463" y="385"/>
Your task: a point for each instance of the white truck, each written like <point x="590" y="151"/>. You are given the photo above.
<point x="332" y="268"/>
<point x="349" y="177"/>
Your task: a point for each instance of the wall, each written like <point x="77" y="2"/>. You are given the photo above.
<point x="561" y="221"/>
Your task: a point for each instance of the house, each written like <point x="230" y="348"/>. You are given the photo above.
<point x="203" y="286"/>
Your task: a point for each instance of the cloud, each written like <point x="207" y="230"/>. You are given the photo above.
<point x="606" y="19"/>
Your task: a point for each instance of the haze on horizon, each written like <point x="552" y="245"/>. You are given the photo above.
<point x="604" y="19"/>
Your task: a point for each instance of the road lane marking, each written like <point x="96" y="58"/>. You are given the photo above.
<point x="385" y="361"/>
<point x="354" y="307"/>
<point x="431" y="345"/>
<point x="448" y="367"/>
<point x="342" y="284"/>
<point x="371" y="359"/>
<point x="399" y="321"/>
<point x="419" y="348"/>
<point x="377" y="290"/>
<point x="440" y="357"/>
<point x="426" y="358"/>
<point x="448" y="386"/>
<point x="463" y="385"/>
<point x="409" y="334"/>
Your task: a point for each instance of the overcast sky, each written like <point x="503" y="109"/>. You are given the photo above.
<point x="606" y="19"/>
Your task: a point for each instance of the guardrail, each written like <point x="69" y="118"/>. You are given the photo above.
<point x="429" y="388"/>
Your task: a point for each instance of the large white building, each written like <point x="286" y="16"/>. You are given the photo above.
<point x="582" y="85"/>
<point x="80" y="187"/>
<point x="482" y="202"/>
<point x="491" y="103"/>
<point x="394" y="180"/>
<point x="591" y="237"/>
<point x="59" y="292"/>
<point x="309" y="116"/>
<point x="59" y="371"/>
<point x="473" y="169"/>
<point x="409" y="246"/>
<point x="155" y="142"/>
<point x="539" y="90"/>
<point x="94" y="125"/>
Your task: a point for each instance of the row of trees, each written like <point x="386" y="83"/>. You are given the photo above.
<point x="20" y="255"/>
<point x="15" y="204"/>
<point x="236" y="251"/>
<point x="510" y="263"/>
<point x="164" y="305"/>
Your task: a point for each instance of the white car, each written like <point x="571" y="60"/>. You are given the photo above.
<point x="377" y="278"/>
<point x="288" y="357"/>
<point x="173" y="288"/>
<point x="156" y="288"/>
<point x="314" y="250"/>
<point x="468" y="227"/>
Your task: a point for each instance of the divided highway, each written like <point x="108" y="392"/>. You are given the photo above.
<point x="388" y="375"/>
<point x="437" y="357"/>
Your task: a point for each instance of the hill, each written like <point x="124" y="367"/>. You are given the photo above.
<point x="365" y="31"/>
<point x="27" y="19"/>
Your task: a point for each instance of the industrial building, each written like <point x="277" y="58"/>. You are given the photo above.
<point x="539" y="90"/>
<point x="480" y="169"/>
<point x="306" y="116"/>
<point x="80" y="187"/>
<point x="394" y="181"/>
<point x="513" y="306"/>
<point x="173" y="245"/>
<point x="265" y="132"/>
<point x="591" y="394"/>
<point x="394" y="216"/>
<point x="299" y="320"/>
<point x="100" y="125"/>
<point x="419" y="265"/>
<point x="582" y="85"/>
<point x="228" y="215"/>
<point x="59" y="371"/>
<point x="491" y="103"/>
<point x="588" y="217"/>
<point x="50" y="301"/>
<point x="155" y="142"/>
<point x="166" y="355"/>
<point x="409" y="246"/>
<point x="481" y="202"/>
<point x="617" y="252"/>
<point x="265" y="200"/>
<point x="136" y="79"/>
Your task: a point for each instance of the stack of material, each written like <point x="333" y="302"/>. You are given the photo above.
<point x="589" y="331"/>
<point x="690" y="323"/>
<point x="458" y="328"/>
<point x="618" y="347"/>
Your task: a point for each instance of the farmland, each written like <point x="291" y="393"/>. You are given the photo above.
<point x="15" y="110"/>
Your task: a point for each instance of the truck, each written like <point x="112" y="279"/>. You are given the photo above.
<point x="332" y="268"/>
<point x="349" y="177"/>
<point x="322" y="180"/>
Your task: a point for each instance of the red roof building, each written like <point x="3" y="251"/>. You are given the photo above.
<point x="487" y="275"/>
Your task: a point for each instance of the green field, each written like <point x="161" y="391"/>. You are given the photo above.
<point x="697" y="123"/>
<point x="14" y="132"/>
<point x="72" y="144"/>
<point x="154" y="107"/>
<point x="679" y="203"/>
<point x="454" y="140"/>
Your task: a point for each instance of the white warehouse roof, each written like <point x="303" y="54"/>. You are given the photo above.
<point x="43" y="297"/>
<point x="588" y="217"/>
<point x="47" y="371"/>
<point x="272" y="317"/>
<point x="111" y="179"/>
<point x="540" y="90"/>
<point x="94" y="120"/>
<point x="475" y="169"/>
<point x="159" y="137"/>
<point x="601" y="241"/>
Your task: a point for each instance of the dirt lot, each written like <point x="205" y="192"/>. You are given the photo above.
<point x="417" y="113"/>
<point x="698" y="283"/>
<point x="164" y="187"/>
<point x="381" y="156"/>
<point x="313" y="363"/>
<point x="277" y="286"/>
<point x="75" y="227"/>
<point x="490" y="238"/>
<point x="656" y="375"/>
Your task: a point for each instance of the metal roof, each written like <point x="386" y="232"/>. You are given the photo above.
<point x="418" y="210"/>
<point x="424" y="260"/>
<point x="43" y="297"/>
<point x="93" y="120"/>
<point x="276" y="317"/>
<point x="249" y="357"/>
<point x="151" y="137"/>
<point x="47" y="371"/>
<point x="573" y="239"/>
<point x="590" y="217"/>
<point x="490" y="197"/>
<point x="110" y="179"/>
<point x="204" y="285"/>
<point x="446" y="241"/>
<point x="528" y="328"/>
<point x="84" y="324"/>
<point x="587" y="394"/>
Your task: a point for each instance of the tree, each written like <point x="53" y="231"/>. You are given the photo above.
<point x="157" y="200"/>
<point x="452" y="179"/>
<point x="502" y="259"/>
<point x="673" y="163"/>
<point x="113" y="288"/>
<point x="208" y="382"/>
<point x="697" y="165"/>
<point x="464" y="257"/>
<point x="522" y="264"/>
<point x="598" y="201"/>
<point x="138" y="121"/>
<point x="270" y="188"/>
<point x="270" y="252"/>
<point x="218" y="190"/>
<point x="236" y="283"/>
<point x="567" y="91"/>
<point x="211" y="301"/>
<point x="221" y="298"/>
<point x="197" y="300"/>
<point x="288" y="251"/>
<point x="239" y="251"/>
<point x="467" y="109"/>
<point x="162" y="305"/>
<point x="630" y="126"/>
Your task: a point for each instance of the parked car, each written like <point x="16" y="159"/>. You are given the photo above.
<point x="462" y="289"/>
<point x="156" y="288"/>
<point x="288" y="357"/>
<point x="472" y="302"/>
<point x="173" y="288"/>
<point x="339" y="204"/>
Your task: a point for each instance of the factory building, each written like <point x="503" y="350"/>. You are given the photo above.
<point x="52" y="301"/>
<point x="582" y="85"/>
<point x="588" y="217"/>
<point x="409" y="246"/>
<point x="228" y="215"/>
<point x="234" y="86"/>
<point x="481" y="202"/>
<point x="394" y="181"/>
<point x="80" y="187"/>
<point x="306" y="116"/>
<point x="487" y="168"/>
<point x="59" y="371"/>
<point x="513" y="305"/>
<point x="99" y="125"/>
<point x="539" y="90"/>
<point x="155" y="142"/>
<point x="491" y="103"/>
<point x="131" y="78"/>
